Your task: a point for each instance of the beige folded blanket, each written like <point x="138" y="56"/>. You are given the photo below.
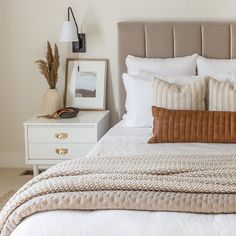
<point x="184" y="183"/>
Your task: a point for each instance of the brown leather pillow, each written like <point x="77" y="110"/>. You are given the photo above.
<point x="184" y="126"/>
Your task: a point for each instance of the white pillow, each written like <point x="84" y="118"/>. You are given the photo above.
<point x="216" y="67"/>
<point x="162" y="67"/>
<point x="138" y="101"/>
<point x="178" y="80"/>
<point x="139" y="98"/>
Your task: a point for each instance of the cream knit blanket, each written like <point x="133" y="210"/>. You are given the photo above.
<point x="184" y="183"/>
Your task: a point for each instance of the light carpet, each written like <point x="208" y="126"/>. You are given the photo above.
<point x="10" y="182"/>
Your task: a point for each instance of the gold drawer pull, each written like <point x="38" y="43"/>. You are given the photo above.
<point x="61" y="135"/>
<point x="61" y="151"/>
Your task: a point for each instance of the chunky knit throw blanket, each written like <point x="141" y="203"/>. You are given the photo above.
<point x="184" y="183"/>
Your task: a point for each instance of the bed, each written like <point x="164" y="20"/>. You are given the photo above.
<point x="174" y="39"/>
<point x="121" y="222"/>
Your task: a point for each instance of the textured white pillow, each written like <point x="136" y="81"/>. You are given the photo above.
<point x="177" y="66"/>
<point x="139" y="98"/>
<point x="138" y="101"/>
<point x="216" y="67"/>
<point x="172" y="79"/>
<point x="190" y="96"/>
<point x="222" y="95"/>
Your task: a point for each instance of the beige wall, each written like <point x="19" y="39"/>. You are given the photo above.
<point x="26" y="25"/>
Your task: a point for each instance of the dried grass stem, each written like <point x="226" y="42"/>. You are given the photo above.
<point x="49" y="67"/>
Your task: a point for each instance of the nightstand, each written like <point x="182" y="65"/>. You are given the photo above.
<point x="48" y="142"/>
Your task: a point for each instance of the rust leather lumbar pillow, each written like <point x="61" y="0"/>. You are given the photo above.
<point x="184" y="126"/>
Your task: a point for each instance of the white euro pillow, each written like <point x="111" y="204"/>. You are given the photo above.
<point x="178" y="80"/>
<point x="177" y="66"/>
<point x="139" y="97"/>
<point x="222" y="68"/>
<point x="138" y="101"/>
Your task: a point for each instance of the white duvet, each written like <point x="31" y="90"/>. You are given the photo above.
<point x="121" y="140"/>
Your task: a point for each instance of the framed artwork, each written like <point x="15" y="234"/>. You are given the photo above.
<point x="85" y="83"/>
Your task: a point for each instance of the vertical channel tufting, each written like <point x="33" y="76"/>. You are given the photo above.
<point x="159" y="39"/>
<point x="216" y="38"/>
<point x="233" y="40"/>
<point x="202" y="40"/>
<point x="145" y="39"/>
<point x="230" y="40"/>
<point x="173" y="36"/>
<point x="187" y="38"/>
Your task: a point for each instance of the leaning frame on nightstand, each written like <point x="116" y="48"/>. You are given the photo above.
<point x="48" y="142"/>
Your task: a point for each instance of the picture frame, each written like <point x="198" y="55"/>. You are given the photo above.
<point x="85" y="83"/>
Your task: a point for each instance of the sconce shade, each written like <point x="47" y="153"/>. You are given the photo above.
<point x="68" y="32"/>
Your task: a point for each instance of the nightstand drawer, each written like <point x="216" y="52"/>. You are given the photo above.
<point x="48" y="142"/>
<point x="58" y="151"/>
<point x="86" y="134"/>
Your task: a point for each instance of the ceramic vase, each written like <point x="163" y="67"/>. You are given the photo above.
<point x="52" y="102"/>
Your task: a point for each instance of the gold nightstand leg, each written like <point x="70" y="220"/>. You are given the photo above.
<point x="35" y="170"/>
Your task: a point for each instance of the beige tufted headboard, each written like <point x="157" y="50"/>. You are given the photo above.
<point x="173" y="39"/>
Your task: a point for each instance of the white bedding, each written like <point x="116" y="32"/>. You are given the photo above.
<point x="121" y="140"/>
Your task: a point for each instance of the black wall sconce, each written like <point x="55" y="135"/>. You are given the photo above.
<point x="70" y="33"/>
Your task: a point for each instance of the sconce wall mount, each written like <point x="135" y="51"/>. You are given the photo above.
<point x="70" y="33"/>
<point x="79" y="46"/>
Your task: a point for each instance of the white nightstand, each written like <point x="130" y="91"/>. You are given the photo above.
<point x="48" y="142"/>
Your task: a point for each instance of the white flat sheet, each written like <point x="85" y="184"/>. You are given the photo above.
<point x="121" y="140"/>
<point x="126" y="223"/>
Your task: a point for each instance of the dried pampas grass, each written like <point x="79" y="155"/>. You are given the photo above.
<point x="49" y="67"/>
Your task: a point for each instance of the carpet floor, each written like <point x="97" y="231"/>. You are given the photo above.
<point x="10" y="182"/>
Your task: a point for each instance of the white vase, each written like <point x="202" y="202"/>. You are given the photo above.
<point x="52" y="102"/>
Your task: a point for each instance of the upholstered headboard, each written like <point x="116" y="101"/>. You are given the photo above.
<point x="173" y="39"/>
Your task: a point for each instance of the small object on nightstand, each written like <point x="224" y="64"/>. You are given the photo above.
<point x="50" y="141"/>
<point x="70" y="113"/>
